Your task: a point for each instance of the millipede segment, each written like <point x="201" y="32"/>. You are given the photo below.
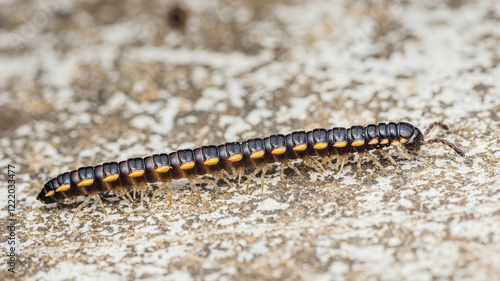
<point x="256" y="153"/>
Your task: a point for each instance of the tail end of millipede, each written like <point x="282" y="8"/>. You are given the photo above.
<point x="45" y="199"/>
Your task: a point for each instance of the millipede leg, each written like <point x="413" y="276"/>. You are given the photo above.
<point x="241" y="172"/>
<point x="282" y="174"/>
<point x="221" y="176"/>
<point x="251" y="176"/>
<point x="100" y="203"/>
<point x="170" y="185"/>
<point x="81" y="206"/>
<point x="210" y="183"/>
<point x="128" y="195"/>
<point x="341" y="159"/>
<point x="124" y="194"/>
<point x="195" y="188"/>
<point x="143" y="190"/>
<point x="120" y="193"/>
<point x="327" y="161"/>
<point x="311" y="163"/>
<point x="162" y="186"/>
<point x="297" y="172"/>
<point x="374" y="160"/>
<point x="264" y="170"/>
<point x="360" y="159"/>
<point x="319" y="165"/>
<point x="402" y="152"/>
<point x="226" y="176"/>
<point x="238" y="173"/>
<point x="388" y="156"/>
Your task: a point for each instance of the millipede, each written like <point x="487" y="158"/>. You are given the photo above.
<point x="258" y="153"/>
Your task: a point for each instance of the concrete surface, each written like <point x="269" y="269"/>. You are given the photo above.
<point x="92" y="81"/>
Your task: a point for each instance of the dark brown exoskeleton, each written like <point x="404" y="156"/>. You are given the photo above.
<point x="257" y="153"/>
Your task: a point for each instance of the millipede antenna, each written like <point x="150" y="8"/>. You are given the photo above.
<point x="431" y="126"/>
<point x="451" y="145"/>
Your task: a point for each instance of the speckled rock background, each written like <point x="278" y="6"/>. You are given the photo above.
<point x="83" y="82"/>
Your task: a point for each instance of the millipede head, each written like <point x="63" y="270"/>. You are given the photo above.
<point x="414" y="141"/>
<point x="417" y="139"/>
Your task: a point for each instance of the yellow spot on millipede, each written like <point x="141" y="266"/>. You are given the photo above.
<point x="395" y="142"/>
<point x="211" y="161"/>
<point x="358" y="143"/>
<point x="257" y="154"/>
<point x="320" y="145"/>
<point x="50" y="193"/>
<point x="162" y="169"/>
<point x="63" y="187"/>
<point x="235" y="158"/>
<point x="86" y="182"/>
<point x="373" y="141"/>
<point x="340" y="144"/>
<point x="136" y="173"/>
<point x="300" y="147"/>
<point x="384" y="141"/>
<point x="111" y="178"/>
<point x="279" y="150"/>
<point x="403" y="140"/>
<point x="187" y="165"/>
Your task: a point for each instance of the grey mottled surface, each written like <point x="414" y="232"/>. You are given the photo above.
<point x="97" y="81"/>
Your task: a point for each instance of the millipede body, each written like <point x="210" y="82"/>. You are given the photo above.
<point x="337" y="142"/>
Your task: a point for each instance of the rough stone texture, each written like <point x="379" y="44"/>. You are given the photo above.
<point x="97" y="81"/>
